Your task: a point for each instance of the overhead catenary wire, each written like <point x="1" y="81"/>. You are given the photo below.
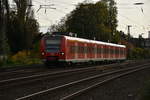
<point x="131" y="20"/>
<point x="140" y="27"/>
<point x="63" y="7"/>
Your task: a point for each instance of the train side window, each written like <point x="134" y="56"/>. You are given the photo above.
<point x="85" y="49"/>
<point x="110" y="51"/>
<point x="78" y="49"/>
<point x="90" y="50"/>
<point x="122" y="51"/>
<point x="116" y="50"/>
<point x="72" y="49"/>
<point x="81" y="49"/>
<point x="113" y="50"/>
<point x="105" y="50"/>
<point x="102" y="50"/>
<point x="98" y="50"/>
<point x="93" y="50"/>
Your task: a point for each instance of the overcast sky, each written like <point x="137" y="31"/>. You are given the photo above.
<point x="128" y="14"/>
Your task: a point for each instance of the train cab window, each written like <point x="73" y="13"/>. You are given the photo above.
<point x="53" y="44"/>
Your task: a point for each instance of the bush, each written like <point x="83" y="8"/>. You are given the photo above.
<point x="25" y="57"/>
<point x="139" y="53"/>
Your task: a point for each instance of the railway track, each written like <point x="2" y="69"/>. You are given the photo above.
<point x="71" y="90"/>
<point x="32" y="84"/>
<point x="29" y="71"/>
<point x="25" y="72"/>
<point x="13" y="73"/>
<point x="6" y="73"/>
<point x="37" y="75"/>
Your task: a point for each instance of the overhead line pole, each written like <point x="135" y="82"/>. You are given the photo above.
<point x="129" y="26"/>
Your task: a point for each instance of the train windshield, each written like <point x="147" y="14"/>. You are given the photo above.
<point x="53" y="44"/>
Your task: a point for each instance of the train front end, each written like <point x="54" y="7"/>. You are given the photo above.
<point x="52" y="49"/>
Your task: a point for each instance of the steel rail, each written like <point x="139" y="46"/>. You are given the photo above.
<point x="28" y="70"/>
<point x="13" y="80"/>
<point x="82" y="91"/>
<point x="79" y="81"/>
<point x="32" y="77"/>
<point x="9" y="69"/>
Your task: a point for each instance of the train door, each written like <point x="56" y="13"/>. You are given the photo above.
<point x="80" y="50"/>
<point x="71" y="49"/>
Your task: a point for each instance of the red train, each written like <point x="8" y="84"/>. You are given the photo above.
<point x="66" y="49"/>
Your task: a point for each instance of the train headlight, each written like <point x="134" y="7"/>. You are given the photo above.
<point x="62" y="53"/>
<point x="43" y="53"/>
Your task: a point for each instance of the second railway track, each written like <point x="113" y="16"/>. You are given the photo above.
<point x="50" y="81"/>
<point x="70" y="90"/>
<point x="36" y="75"/>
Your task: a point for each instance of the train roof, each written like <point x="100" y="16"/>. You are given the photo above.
<point x="93" y="41"/>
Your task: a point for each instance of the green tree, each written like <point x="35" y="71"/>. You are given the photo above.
<point x="22" y="36"/>
<point x="112" y="18"/>
<point x="116" y="37"/>
<point x="91" y="21"/>
<point x="4" y="47"/>
<point x="60" y="27"/>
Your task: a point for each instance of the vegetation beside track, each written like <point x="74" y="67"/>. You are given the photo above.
<point x="22" y="58"/>
<point x="16" y="41"/>
<point x="137" y="53"/>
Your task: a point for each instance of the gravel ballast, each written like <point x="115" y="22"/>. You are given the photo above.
<point x="125" y="88"/>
